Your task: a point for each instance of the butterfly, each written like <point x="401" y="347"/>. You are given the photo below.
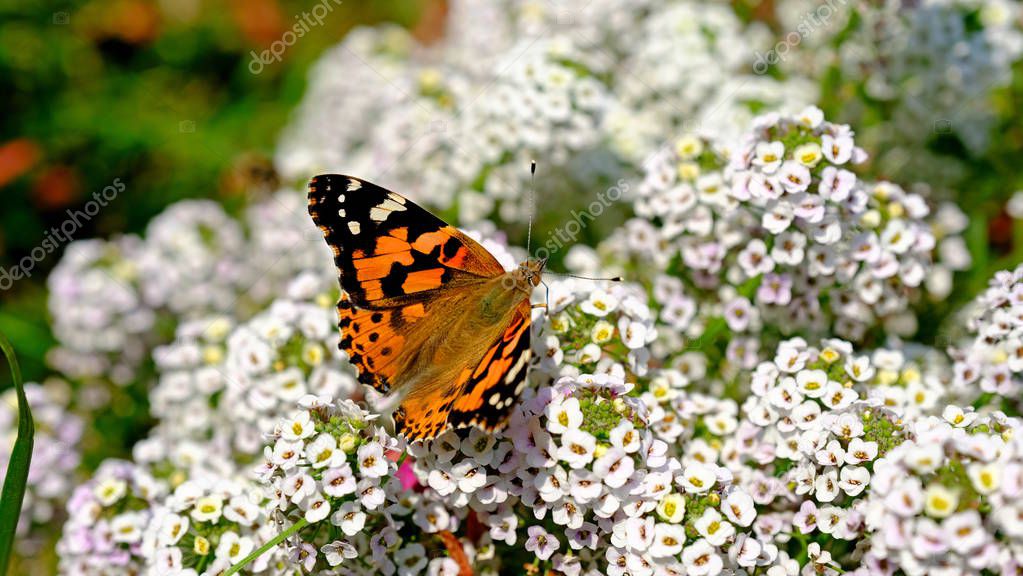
<point x="425" y="310"/>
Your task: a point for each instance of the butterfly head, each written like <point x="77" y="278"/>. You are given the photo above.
<point x="532" y="270"/>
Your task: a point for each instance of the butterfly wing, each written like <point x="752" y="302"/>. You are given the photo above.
<point x="390" y="252"/>
<point x="485" y="392"/>
<point x="398" y="264"/>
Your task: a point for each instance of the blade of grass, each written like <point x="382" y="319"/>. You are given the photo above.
<point x="17" y="469"/>
<point x="300" y="524"/>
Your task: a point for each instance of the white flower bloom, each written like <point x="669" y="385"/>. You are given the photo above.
<point x="372" y="462"/>
<point x="697" y="479"/>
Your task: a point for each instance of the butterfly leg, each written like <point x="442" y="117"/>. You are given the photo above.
<point x="546" y="299"/>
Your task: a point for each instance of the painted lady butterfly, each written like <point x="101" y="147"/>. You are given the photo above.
<point x="425" y="310"/>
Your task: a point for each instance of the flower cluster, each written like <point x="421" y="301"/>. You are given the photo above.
<point x="280" y="355"/>
<point x="930" y="68"/>
<point x="711" y="91"/>
<point x="948" y="500"/>
<point x="208" y="524"/>
<point x="55" y="453"/>
<point x="113" y="301"/>
<point x="190" y="378"/>
<point x="779" y="235"/>
<point x="107" y="517"/>
<point x="992" y="361"/>
<point x="330" y="474"/>
<point x="587" y="89"/>
<point x="595" y="327"/>
<point x="185" y="246"/>
<point x="578" y="482"/>
<point x="810" y="424"/>
<point x="100" y="317"/>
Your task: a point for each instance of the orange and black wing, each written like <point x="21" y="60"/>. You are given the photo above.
<point x="393" y="258"/>
<point x="390" y="252"/>
<point x="484" y="394"/>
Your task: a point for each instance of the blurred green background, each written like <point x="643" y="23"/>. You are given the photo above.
<point x="159" y="94"/>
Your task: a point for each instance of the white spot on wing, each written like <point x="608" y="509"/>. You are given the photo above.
<point x="384" y="209"/>
<point x="510" y="377"/>
<point x="354" y="185"/>
<point x="354" y="227"/>
<point x="341" y="212"/>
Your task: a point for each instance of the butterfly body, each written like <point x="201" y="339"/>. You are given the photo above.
<point x="426" y="312"/>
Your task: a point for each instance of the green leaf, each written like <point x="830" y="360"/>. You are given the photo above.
<point x="17" y="470"/>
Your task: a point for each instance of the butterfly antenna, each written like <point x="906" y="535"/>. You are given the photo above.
<point x="612" y="279"/>
<point x="532" y="205"/>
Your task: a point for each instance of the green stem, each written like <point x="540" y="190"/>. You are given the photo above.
<point x="302" y="523"/>
<point x="13" y="493"/>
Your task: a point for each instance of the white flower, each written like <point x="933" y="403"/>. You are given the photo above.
<point x="316" y="508"/>
<point x="826" y="486"/>
<point x="906" y="499"/>
<point x="110" y="490"/>
<point x="713" y="527"/>
<point x="668" y="540"/>
<point x="955" y="416"/>
<point x="602" y="332"/>
<point x="232" y="547"/>
<point x="441" y="481"/>
<point x="299" y="427"/>
<point x="577" y="448"/>
<point x="860" y="451"/>
<point x="853" y="479"/>
<point x="469" y="476"/>
<point x="672" y="508"/>
<point x="207" y="509"/>
<point x="701" y="559"/>
<point x="432" y="518"/>
<point x="322" y="451"/>
<point x="599" y="304"/>
<point x="615" y="467"/>
<point x="338" y="551"/>
<point x="338" y="482"/>
<point x="769" y="156"/>
<point x="925" y="459"/>
<point x="411" y="559"/>
<point x="964" y="531"/>
<point x="350" y="518"/>
<point x="372" y="462"/>
<point x="172" y="528"/>
<point x="986" y="478"/>
<point x="940" y="502"/>
<point x="298" y="486"/>
<point x="127" y="527"/>
<point x="739" y="508"/>
<point x="794" y="177"/>
<point x="563" y="415"/>
<point x="697" y="479"/>
<point x="838" y="150"/>
<point x="286" y="454"/>
<point x="625" y="436"/>
<point x="241" y="510"/>
<point x="541" y="543"/>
